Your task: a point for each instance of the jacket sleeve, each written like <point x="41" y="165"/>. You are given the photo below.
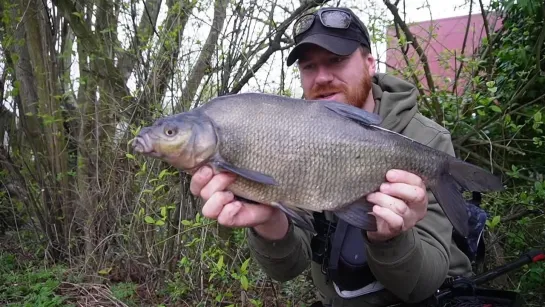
<point x="282" y="259"/>
<point x="413" y="265"/>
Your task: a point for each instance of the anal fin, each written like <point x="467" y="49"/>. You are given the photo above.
<point x="296" y="218"/>
<point x="357" y="215"/>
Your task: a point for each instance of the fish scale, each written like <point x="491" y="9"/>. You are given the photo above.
<point x="307" y="154"/>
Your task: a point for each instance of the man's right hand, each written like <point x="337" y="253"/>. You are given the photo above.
<point x="220" y="204"/>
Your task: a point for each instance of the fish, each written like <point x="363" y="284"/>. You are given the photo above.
<point x="303" y="156"/>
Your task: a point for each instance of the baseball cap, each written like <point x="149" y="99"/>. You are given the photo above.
<point x="342" y="33"/>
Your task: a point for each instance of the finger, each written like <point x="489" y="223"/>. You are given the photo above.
<point x="395" y="222"/>
<point x="241" y="214"/>
<point x="218" y="183"/>
<point x="396" y="175"/>
<point x="411" y="194"/>
<point x="228" y="216"/>
<point x="213" y="207"/>
<point x="386" y="201"/>
<point x="200" y="179"/>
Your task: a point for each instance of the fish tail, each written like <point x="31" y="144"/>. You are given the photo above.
<point x="455" y="177"/>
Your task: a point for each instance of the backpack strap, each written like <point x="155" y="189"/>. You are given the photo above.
<point x="348" y="267"/>
<point x="336" y="246"/>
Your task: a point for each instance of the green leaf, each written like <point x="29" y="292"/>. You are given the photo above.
<point x="129" y="156"/>
<point x="186" y="223"/>
<point x="495" y="221"/>
<point x="148" y="219"/>
<point x="164" y="211"/>
<point x="244" y="282"/>
<point x="158" y="188"/>
<point x="537" y="185"/>
<point x="163" y="173"/>
<point x="537" y="117"/>
<point x="495" y="108"/>
<point x="159" y="223"/>
<point x="244" y="266"/>
<point x="220" y="263"/>
<point x="105" y="271"/>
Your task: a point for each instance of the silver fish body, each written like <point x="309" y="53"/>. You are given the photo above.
<point x="320" y="155"/>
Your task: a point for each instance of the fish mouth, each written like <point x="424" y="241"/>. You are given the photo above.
<point x="142" y="144"/>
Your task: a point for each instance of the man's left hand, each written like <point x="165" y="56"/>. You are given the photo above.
<point x="399" y="205"/>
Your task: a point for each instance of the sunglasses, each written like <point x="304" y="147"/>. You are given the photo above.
<point x="331" y="18"/>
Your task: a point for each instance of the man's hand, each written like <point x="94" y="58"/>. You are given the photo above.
<point x="399" y="205"/>
<point x="269" y="222"/>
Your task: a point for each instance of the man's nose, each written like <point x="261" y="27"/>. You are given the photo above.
<point x="323" y="75"/>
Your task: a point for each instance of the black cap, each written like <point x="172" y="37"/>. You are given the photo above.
<point x="338" y="41"/>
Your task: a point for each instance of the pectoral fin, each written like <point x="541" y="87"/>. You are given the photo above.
<point x="246" y="173"/>
<point x="296" y="218"/>
<point x="356" y="114"/>
<point x="357" y="215"/>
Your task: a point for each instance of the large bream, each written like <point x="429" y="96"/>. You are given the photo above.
<point x="307" y="154"/>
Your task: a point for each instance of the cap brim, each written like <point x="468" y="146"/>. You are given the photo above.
<point x="334" y="44"/>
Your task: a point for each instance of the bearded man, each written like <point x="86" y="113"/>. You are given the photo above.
<point x="413" y="251"/>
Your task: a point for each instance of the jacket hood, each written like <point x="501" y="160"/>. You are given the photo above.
<point x="395" y="101"/>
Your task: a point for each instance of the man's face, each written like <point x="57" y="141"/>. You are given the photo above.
<point x="325" y="75"/>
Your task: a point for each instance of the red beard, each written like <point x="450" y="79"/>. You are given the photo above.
<point x="355" y="96"/>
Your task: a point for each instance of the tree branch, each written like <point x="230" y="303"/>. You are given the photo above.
<point x="275" y="43"/>
<point x="203" y="62"/>
<point x="142" y="35"/>
<point x="457" y="76"/>
<point x="93" y="46"/>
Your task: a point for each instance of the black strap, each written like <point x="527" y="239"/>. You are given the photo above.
<point x="336" y="246"/>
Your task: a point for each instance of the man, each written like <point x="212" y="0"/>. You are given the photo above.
<point x="412" y="252"/>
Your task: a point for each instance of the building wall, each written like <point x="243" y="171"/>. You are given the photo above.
<point x="441" y="39"/>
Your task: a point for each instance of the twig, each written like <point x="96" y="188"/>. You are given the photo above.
<point x="463" y="47"/>
<point x="485" y="21"/>
<point x="508" y="148"/>
<point x="490" y="163"/>
<point x="522" y="213"/>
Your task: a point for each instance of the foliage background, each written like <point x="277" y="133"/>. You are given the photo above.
<point x="84" y="221"/>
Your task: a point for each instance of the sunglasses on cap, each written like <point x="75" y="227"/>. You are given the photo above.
<point x="330" y="18"/>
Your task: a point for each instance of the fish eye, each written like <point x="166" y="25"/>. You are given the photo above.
<point x="169" y="131"/>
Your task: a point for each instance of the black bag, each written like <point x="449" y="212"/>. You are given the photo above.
<point x="340" y="249"/>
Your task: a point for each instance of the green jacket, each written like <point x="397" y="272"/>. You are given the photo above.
<point x="410" y="267"/>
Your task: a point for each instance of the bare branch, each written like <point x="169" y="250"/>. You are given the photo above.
<point x="457" y="76"/>
<point x="203" y="62"/>
<point x="142" y="35"/>
<point x="275" y="43"/>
